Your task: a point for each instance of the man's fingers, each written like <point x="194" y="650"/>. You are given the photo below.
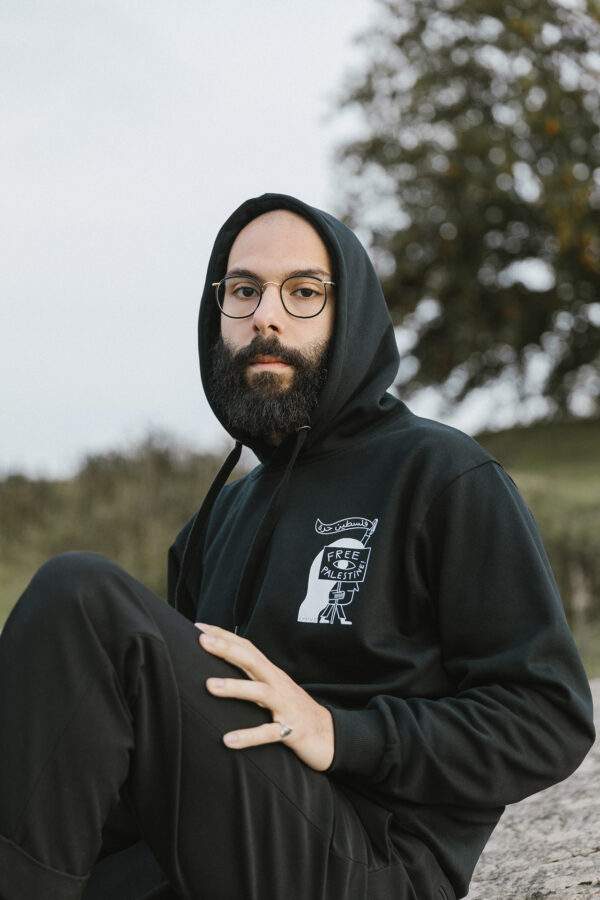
<point x="255" y="691"/>
<point x="238" y="651"/>
<point x="253" y="737"/>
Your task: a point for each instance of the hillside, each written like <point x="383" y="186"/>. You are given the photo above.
<point x="557" y="469"/>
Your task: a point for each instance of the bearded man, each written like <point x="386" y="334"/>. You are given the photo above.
<point x="379" y="661"/>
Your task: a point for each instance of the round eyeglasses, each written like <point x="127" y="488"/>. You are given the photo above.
<point x="303" y="296"/>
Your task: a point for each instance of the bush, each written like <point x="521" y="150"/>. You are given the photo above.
<point x="128" y="506"/>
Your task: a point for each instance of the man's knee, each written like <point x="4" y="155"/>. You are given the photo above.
<point x="70" y="598"/>
<point x="64" y="581"/>
<point x="67" y="573"/>
<point x="79" y="592"/>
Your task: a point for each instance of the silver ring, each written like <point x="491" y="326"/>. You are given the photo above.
<point x="286" y="730"/>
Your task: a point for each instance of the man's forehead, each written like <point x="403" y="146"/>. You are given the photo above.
<point x="280" y="236"/>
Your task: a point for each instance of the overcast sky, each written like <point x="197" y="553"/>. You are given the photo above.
<point x="129" y="133"/>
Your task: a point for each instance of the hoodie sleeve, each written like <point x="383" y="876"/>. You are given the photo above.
<point x="521" y="717"/>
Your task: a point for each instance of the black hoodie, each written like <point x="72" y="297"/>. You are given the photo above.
<point x="388" y="564"/>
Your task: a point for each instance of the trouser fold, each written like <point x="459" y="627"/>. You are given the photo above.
<point x="91" y="698"/>
<point x="33" y="879"/>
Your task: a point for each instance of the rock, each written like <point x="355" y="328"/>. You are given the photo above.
<point x="549" y="844"/>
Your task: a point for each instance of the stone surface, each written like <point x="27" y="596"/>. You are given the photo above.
<point x="548" y="845"/>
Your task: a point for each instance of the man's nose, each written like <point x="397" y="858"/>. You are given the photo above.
<point x="270" y="313"/>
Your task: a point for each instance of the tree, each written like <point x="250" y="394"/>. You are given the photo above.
<point x="477" y="185"/>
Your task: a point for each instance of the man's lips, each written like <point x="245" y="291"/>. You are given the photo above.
<point x="267" y="362"/>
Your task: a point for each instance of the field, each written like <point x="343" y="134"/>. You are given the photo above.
<point x="557" y="469"/>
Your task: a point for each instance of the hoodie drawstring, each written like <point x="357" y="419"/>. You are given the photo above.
<point x="198" y="529"/>
<point x="248" y="586"/>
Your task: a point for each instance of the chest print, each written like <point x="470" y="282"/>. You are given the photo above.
<point x="337" y="572"/>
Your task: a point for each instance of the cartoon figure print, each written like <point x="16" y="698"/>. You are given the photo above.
<point x="337" y="572"/>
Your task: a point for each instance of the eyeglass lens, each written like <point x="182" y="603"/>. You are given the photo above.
<point x="302" y="296"/>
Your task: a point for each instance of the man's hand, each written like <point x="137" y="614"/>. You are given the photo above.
<point x="270" y="687"/>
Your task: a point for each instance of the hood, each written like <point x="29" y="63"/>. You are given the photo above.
<point x="364" y="358"/>
<point x="363" y="364"/>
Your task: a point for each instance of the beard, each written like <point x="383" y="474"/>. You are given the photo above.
<point x="263" y="405"/>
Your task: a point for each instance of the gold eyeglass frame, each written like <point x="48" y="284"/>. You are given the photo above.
<point x="217" y="284"/>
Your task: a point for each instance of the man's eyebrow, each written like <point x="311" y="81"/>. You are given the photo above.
<point x="308" y="270"/>
<point x="311" y="270"/>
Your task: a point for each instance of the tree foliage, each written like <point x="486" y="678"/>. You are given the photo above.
<point x="477" y="182"/>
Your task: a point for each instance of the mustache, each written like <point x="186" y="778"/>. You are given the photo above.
<point x="262" y="346"/>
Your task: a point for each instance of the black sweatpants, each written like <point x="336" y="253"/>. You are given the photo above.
<point x="115" y="783"/>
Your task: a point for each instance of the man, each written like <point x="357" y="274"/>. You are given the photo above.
<point x="383" y="664"/>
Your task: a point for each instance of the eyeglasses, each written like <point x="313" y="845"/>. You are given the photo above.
<point x="303" y="296"/>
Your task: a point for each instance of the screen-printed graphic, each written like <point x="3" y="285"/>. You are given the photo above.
<point x="337" y="572"/>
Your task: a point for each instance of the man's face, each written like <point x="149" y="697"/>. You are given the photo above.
<point x="267" y="370"/>
<point x="271" y="248"/>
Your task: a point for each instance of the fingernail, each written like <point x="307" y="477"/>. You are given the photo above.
<point x="216" y="683"/>
<point x="202" y="626"/>
<point x="231" y="739"/>
<point x="207" y="638"/>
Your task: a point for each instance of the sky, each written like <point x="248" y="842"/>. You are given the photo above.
<point x="130" y="131"/>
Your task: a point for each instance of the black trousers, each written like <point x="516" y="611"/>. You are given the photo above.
<point x="115" y="783"/>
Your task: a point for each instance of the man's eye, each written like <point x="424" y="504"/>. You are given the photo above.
<point x="245" y="292"/>
<point x="307" y="291"/>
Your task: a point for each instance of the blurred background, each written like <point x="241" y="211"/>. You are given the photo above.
<point x="461" y="140"/>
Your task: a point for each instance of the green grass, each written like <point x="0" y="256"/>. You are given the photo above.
<point x="554" y="463"/>
<point x="587" y="638"/>
<point x="557" y="469"/>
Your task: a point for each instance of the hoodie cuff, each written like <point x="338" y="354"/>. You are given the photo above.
<point x="359" y="742"/>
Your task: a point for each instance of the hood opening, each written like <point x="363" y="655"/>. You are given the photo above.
<point x="363" y="363"/>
